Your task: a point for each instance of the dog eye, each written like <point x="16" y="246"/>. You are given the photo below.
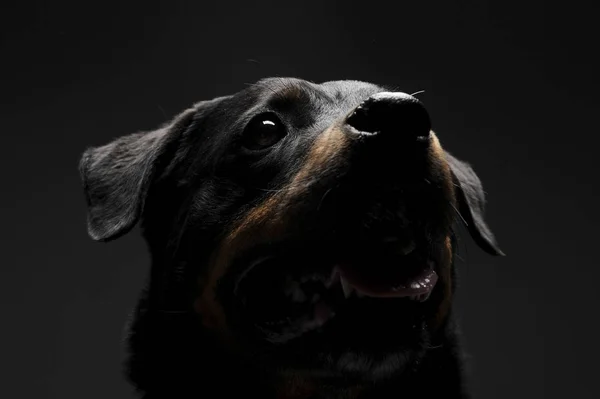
<point x="263" y="131"/>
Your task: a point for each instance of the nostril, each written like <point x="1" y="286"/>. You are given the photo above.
<point x="397" y="114"/>
<point x="360" y="120"/>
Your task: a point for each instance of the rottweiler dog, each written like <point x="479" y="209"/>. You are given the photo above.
<point x="302" y="239"/>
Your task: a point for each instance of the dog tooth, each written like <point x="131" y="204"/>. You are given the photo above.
<point x="415" y="285"/>
<point x="398" y="288"/>
<point x="426" y="296"/>
<point x="408" y="248"/>
<point x="335" y="275"/>
<point x="346" y="287"/>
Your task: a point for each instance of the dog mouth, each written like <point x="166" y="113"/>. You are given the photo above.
<point x="286" y="294"/>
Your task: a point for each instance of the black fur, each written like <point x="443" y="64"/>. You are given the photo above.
<point x="190" y="180"/>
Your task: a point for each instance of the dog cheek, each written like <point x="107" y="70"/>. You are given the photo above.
<point x="440" y="170"/>
<point x="260" y="225"/>
<point x="267" y="222"/>
<point x="445" y="285"/>
<point x="211" y="315"/>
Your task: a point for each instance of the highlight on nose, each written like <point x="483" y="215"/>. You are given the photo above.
<point x="391" y="113"/>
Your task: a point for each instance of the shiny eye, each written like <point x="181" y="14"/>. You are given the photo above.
<point x="263" y="131"/>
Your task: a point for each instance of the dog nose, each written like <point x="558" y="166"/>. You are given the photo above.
<point x="393" y="115"/>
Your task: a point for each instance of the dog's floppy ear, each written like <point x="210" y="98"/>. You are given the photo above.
<point x="116" y="176"/>
<point x="471" y="202"/>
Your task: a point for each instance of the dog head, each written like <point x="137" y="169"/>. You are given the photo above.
<point x="308" y="227"/>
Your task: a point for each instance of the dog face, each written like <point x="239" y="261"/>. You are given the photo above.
<point x="309" y="227"/>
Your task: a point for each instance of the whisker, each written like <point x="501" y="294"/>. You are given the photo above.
<point x="299" y="183"/>
<point x="173" y="311"/>
<point x="458" y="213"/>
<point x="279" y="190"/>
<point x="418" y="92"/>
<point x="322" y="198"/>
<point x="162" y="110"/>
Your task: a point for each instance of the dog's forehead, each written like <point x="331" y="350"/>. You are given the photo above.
<point x="351" y="88"/>
<point x="293" y="89"/>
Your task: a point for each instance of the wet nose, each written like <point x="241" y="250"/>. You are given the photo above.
<point x="396" y="116"/>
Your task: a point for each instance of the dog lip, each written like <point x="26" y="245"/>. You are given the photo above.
<point x="324" y="266"/>
<point x="254" y="263"/>
<point x="311" y="294"/>
<point x="419" y="286"/>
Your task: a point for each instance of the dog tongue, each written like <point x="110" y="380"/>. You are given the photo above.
<point x="388" y="284"/>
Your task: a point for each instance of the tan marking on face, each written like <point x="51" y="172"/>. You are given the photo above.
<point x="323" y="156"/>
<point x="445" y="284"/>
<point x="437" y="155"/>
<point x="268" y="222"/>
<point x="294" y="385"/>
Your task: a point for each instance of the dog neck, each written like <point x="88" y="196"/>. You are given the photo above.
<point x="302" y="388"/>
<point x="191" y="368"/>
<point x="173" y="357"/>
<point x="438" y="374"/>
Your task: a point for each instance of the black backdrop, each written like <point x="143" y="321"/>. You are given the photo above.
<point x="511" y="87"/>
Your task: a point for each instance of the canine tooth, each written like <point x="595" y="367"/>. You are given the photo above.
<point x="335" y="274"/>
<point x="398" y="288"/>
<point x="415" y="285"/>
<point x="346" y="287"/>
<point x="408" y="248"/>
<point x="425" y="296"/>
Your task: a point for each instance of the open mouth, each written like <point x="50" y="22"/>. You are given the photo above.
<point x="287" y="294"/>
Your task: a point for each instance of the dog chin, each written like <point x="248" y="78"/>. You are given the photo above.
<point x="343" y="350"/>
<point x="354" y="366"/>
<point x="372" y="368"/>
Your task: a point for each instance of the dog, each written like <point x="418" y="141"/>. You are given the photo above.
<point x="302" y="239"/>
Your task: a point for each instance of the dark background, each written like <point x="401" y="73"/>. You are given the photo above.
<point x="511" y="87"/>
